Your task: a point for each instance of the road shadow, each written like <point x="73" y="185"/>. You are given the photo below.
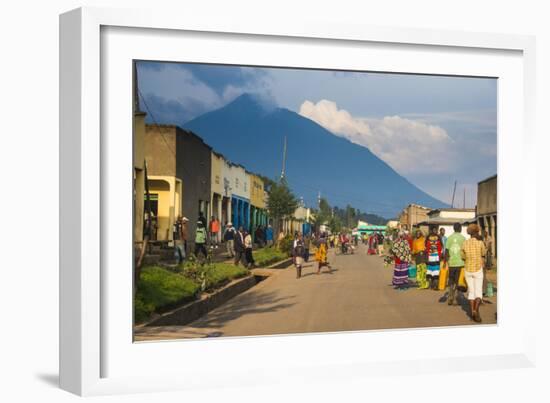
<point x="323" y="271"/>
<point x="254" y="302"/>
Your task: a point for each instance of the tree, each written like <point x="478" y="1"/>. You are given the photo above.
<point x="350" y="215"/>
<point x="323" y="214"/>
<point x="281" y="202"/>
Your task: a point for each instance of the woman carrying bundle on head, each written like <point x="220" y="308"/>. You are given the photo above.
<point x="401" y="252"/>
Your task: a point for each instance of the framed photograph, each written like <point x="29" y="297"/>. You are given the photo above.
<point x="237" y="198"/>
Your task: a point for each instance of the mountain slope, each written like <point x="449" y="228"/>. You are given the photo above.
<point x="252" y="134"/>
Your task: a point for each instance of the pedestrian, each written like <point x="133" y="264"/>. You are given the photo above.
<point x="280" y="238"/>
<point x="269" y="235"/>
<point x="229" y="239"/>
<point x="419" y="256"/>
<point x="239" y="246"/>
<point x="177" y="236"/>
<point x="380" y="243"/>
<point x="248" y="250"/>
<point x="473" y="253"/>
<point x="307" y="245"/>
<point x="298" y="252"/>
<point x="433" y="253"/>
<point x="200" y="240"/>
<point x="184" y="233"/>
<point x="259" y="236"/>
<point x="202" y="219"/>
<point x="214" y="229"/>
<point x="321" y="255"/>
<point x="373" y="244"/>
<point x="443" y="238"/>
<point x="401" y="252"/>
<point x="455" y="262"/>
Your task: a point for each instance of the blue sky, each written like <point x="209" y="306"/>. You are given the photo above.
<point x="433" y="130"/>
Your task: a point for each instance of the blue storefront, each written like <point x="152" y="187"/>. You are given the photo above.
<point x="240" y="212"/>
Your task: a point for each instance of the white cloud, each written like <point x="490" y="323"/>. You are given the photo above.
<point x="407" y="145"/>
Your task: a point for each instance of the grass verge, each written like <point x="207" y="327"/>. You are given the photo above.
<point x="266" y="256"/>
<point x="160" y="289"/>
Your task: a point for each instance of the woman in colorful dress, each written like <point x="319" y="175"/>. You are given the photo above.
<point x="419" y="255"/>
<point x="401" y="252"/>
<point x="372" y="244"/>
<point x="321" y="254"/>
<point x="434" y="249"/>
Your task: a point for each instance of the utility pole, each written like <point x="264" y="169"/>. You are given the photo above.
<point x="453" y="201"/>
<point x="284" y="159"/>
<point x="464" y="202"/>
<point x="319" y="199"/>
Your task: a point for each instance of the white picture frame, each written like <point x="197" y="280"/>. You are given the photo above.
<point x="96" y="355"/>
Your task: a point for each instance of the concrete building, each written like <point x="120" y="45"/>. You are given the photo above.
<point x="486" y="209"/>
<point x="412" y="215"/>
<point x="139" y="174"/>
<point x="446" y="218"/>
<point x="301" y="216"/>
<point x="258" y="212"/>
<point x="194" y="168"/>
<point x="179" y="168"/>
<point x="226" y="205"/>
<point x="165" y="188"/>
<point x="391" y="224"/>
<point x="240" y="196"/>
<point x="220" y="201"/>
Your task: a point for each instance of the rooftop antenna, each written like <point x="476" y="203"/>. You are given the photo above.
<point x="453" y="201"/>
<point x="284" y="159"/>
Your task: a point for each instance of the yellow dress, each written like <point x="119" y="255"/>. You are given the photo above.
<point x="321" y="254"/>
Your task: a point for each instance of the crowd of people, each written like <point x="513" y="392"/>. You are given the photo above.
<point x="439" y="262"/>
<point x="210" y="235"/>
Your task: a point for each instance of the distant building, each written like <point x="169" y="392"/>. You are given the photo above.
<point x="227" y="191"/>
<point x="446" y="218"/>
<point x="258" y="212"/>
<point x="392" y="224"/>
<point x="240" y="196"/>
<point x="364" y="228"/>
<point x="486" y="210"/>
<point x="220" y="204"/>
<point x="412" y="215"/>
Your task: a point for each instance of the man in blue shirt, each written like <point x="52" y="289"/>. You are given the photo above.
<point x="269" y="235"/>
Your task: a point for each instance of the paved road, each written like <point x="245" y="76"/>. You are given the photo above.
<point x="357" y="295"/>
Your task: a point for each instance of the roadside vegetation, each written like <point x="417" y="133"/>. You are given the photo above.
<point x="267" y="256"/>
<point x="161" y="288"/>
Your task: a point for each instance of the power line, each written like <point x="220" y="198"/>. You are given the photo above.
<point x="150" y="112"/>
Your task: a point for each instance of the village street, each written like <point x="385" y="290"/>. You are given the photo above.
<point x="357" y="295"/>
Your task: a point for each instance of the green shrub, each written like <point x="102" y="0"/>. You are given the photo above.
<point x="266" y="256"/>
<point x="159" y="289"/>
<point x="142" y="310"/>
<point x="219" y="274"/>
<point x="285" y="245"/>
